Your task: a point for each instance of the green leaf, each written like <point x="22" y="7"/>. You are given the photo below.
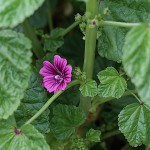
<point x="111" y="83"/>
<point x="28" y="139"/>
<point x="134" y="123"/>
<point x="66" y="119"/>
<point x="15" y="60"/>
<point x="55" y="40"/>
<point x="34" y="98"/>
<point x="111" y="41"/>
<point x="93" y="135"/>
<point x="89" y="88"/>
<point x="13" y="12"/>
<point x="136" y="60"/>
<point x="128" y="10"/>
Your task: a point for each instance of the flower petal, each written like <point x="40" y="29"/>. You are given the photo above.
<point x="50" y="84"/>
<point x="67" y="72"/>
<point x="61" y="86"/>
<point x="48" y="69"/>
<point x="59" y="63"/>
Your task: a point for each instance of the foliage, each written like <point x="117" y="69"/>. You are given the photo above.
<point x="111" y="83"/>
<point x="89" y="88"/>
<point x="34" y="98"/>
<point x="93" y="135"/>
<point x="104" y="48"/>
<point x="15" y="70"/>
<point x="134" y="123"/>
<point x="28" y="138"/>
<point x="18" y="10"/>
<point x="138" y="70"/>
<point x="66" y="119"/>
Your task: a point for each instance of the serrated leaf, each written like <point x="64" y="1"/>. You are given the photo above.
<point x="15" y="60"/>
<point x="136" y="60"/>
<point x="128" y="10"/>
<point x="111" y="83"/>
<point x="115" y="37"/>
<point x="55" y="40"/>
<point x="28" y="139"/>
<point x="13" y="12"/>
<point x="89" y="88"/>
<point x="34" y="98"/>
<point x="93" y="135"/>
<point x="66" y="119"/>
<point x="134" y="122"/>
<point x="111" y="41"/>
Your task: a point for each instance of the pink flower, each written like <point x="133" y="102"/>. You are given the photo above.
<point x="56" y="76"/>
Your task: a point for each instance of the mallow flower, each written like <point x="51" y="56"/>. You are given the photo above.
<point x="56" y="75"/>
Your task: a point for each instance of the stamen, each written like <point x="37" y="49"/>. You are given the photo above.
<point x="57" y="77"/>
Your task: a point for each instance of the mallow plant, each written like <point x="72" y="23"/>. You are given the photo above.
<point x="84" y="86"/>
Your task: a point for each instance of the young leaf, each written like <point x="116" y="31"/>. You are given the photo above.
<point x="15" y="60"/>
<point x="66" y="119"/>
<point x="134" y="123"/>
<point x="112" y="84"/>
<point x="136" y="59"/>
<point x="89" y="88"/>
<point x="27" y="137"/>
<point x="55" y="40"/>
<point x="93" y="135"/>
<point x="20" y="9"/>
<point x="34" y="98"/>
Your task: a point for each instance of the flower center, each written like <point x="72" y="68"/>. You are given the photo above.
<point x="17" y="131"/>
<point x="58" y="78"/>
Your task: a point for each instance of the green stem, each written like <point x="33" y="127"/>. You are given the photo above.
<point x="89" y="54"/>
<point x="49" y="10"/>
<point x="119" y="24"/>
<point x="98" y="101"/>
<point x="75" y="82"/>
<point x="70" y="27"/>
<point x="90" y="40"/>
<point x="30" y="33"/>
<point x="135" y="96"/>
<point x="110" y="134"/>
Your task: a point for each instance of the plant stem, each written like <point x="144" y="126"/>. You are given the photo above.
<point x="75" y="82"/>
<point x="89" y="54"/>
<point x="98" y="101"/>
<point x="30" y="33"/>
<point x="110" y="134"/>
<point x="135" y="96"/>
<point x="70" y="27"/>
<point x="119" y="24"/>
<point x="90" y="40"/>
<point x="49" y="11"/>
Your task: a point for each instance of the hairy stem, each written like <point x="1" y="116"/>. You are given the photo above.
<point x="30" y="33"/>
<point x="70" y="27"/>
<point x="119" y="24"/>
<point x="89" y="54"/>
<point x="75" y="82"/>
<point x="98" y="101"/>
<point x="49" y="11"/>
